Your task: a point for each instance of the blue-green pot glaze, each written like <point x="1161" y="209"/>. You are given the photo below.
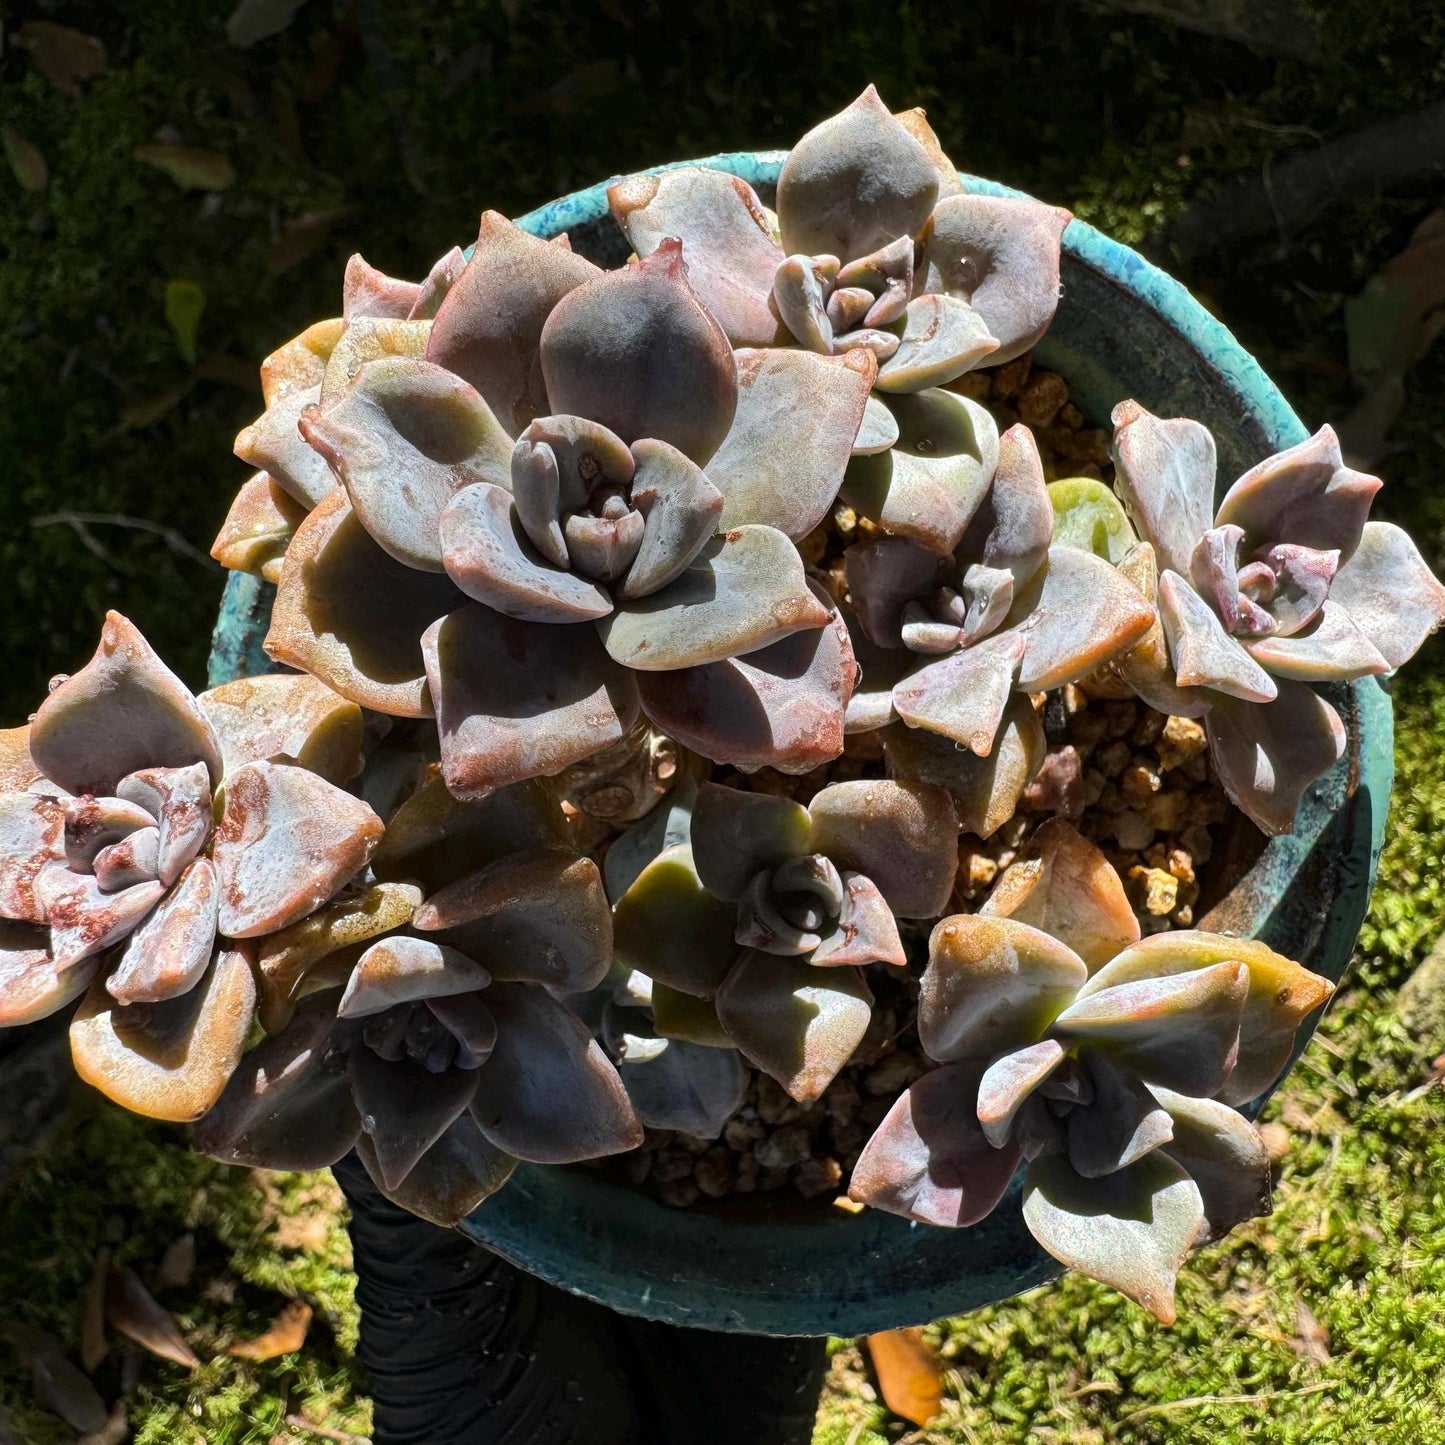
<point x="1123" y="329"/>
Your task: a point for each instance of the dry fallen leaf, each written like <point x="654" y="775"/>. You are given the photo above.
<point x="113" y="1432"/>
<point x="1312" y="1340"/>
<point x="63" y="55"/>
<point x="300" y="238"/>
<point x="26" y="163"/>
<point x="285" y="1336"/>
<point x="190" y="167"/>
<point x="133" y="1312"/>
<point x="177" y="1264"/>
<point x="93" y="1348"/>
<point x="910" y="1378"/>
<point x="59" y="1385"/>
<point x="255" y="20"/>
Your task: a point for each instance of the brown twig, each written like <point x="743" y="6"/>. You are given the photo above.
<point x="82" y="522"/>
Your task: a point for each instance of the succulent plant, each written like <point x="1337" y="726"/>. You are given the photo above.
<point x="1285" y="585"/>
<point x="418" y="1020"/>
<point x="147" y="839"/>
<point x="1113" y="1065"/>
<point x="951" y="639"/>
<point x="770" y="911"/>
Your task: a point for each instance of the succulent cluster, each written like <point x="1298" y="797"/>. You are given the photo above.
<point x="497" y="872"/>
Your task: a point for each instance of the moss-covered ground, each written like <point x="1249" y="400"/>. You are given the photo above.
<point x="386" y="127"/>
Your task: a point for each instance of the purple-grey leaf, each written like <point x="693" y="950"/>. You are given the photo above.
<point x="169" y="952"/>
<point x="1203" y="653"/>
<point x="1333" y="649"/>
<point x="680" y="506"/>
<point x="1389" y="592"/>
<point x="459" y="1171"/>
<point x="1120" y="1123"/>
<point x="404" y="969"/>
<point x="1165" y="478"/>
<point x="942" y="338"/>
<point x="1009" y="1082"/>
<point x="1223" y="1153"/>
<point x="737" y="835"/>
<point x="962" y="696"/>
<point x="405" y="1107"/>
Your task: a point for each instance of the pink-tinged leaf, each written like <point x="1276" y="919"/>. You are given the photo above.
<point x="884" y="576"/>
<point x="518" y="700"/>
<point x="1131" y="1230"/>
<point x="731" y="254"/>
<point x="1181" y="1031"/>
<point x="365" y="340"/>
<point x="667" y="926"/>
<point x="798" y="415"/>
<point x="930" y="484"/>
<point x="84" y="919"/>
<point x="1146" y="667"/>
<point x="1076" y="614"/>
<point x="286" y="842"/>
<point x="135" y="859"/>
<point x="963" y="696"/>
<point x="181" y="799"/>
<point x="488" y="555"/>
<point x="743" y="590"/>
<point x="131" y="1310"/>
<point x="942" y="338"/>
<point x="634" y="350"/>
<point x="1333" y="649"/>
<point x="32" y="837"/>
<point x="300" y="365"/>
<point x="1306" y="496"/>
<point x="167" y="1060"/>
<point x="1009" y="1082"/>
<point x="680" y="507"/>
<point x="1390" y="593"/>
<point x="797" y="1023"/>
<point x="365" y="291"/>
<point x="991" y="985"/>
<point x="404" y="439"/>
<point x="124" y="710"/>
<point x="405" y="1108"/>
<point x="800" y="297"/>
<point x="557" y="464"/>
<point x="929" y="1159"/>
<point x="31" y="987"/>
<point x="286" y="715"/>
<point x="1016" y="521"/>
<point x="1223" y="1153"/>
<point x="1165" y="478"/>
<point x="352" y="616"/>
<point x="488" y="330"/>
<point x="1001" y="255"/>
<point x="456" y="1174"/>
<point x="1302" y="579"/>
<point x="1070" y="891"/>
<point x="273" y="444"/>
<point x="1120" y="1123"/>
<point x="437" y="838"/>
<point x="258" y="528"/>
<point x="535" y="917"/>
<point x="866" y="931"/>
<point x="548" y="1093"/>
<point x="854" y="183"/>
<point x="406" y="970"/>
<point x="1281" y="993"/>
<point x="915" y="122"/>
<point x="17" y="768"/>
<point x="288" y="1105"/>
<point x="737" y="835"/>
<point x="1268" y="754"/>
<point x="1203" y="653"/>
<point x="93" y="824"/>
<point x="903" y="836"/>
<point x="436" y="285"/>
<point x="169" y="952"/>
<point x="781" y="707"/>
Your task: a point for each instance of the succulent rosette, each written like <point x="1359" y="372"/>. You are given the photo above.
<point x="756" y="930"/>
<point x="148" y="838"/>
<point x="1113" y="1065"/>
<point x="1284" y="586"/>
<point x="418" y="1019"/>
<point x="951" y="643"/>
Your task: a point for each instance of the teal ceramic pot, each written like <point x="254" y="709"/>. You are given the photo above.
<point x="1123" y="329"/>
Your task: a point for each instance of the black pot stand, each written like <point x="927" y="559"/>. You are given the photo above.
<point x="459" y="1347"/>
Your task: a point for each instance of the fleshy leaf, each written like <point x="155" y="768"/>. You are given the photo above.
<point x="168" y="1060"/>
<point x="877" y="431"/>
<point x="1070" y="891"/>
<point x="681" y="507"/>
<point x="743" y="591"/>
<point x="289" y="715"/>
<point x="404" y="439"/>
<point x="797" y="1023"/>
<point x="1333" y="649"/>
<point x="737" y="835"/>
<point x="1222" y="1152"/>
<point x="931" y="482"/>
<point x="1165" y="478"/>
<point x="942" y="338"/>
<point x="689" y="1088"/>
<point x="798" y="415"/>
<point x="288" y="1105"/>
<point x="17" y="767"/>
<point x="459" y="1171"/>
<point x="367" y="291"/>
<point x="884" y="575"/>
<point x="670" y="928"/>
<point x="365" y="340"/>
<point x="353" y="616"/>
<point x="929" y="1159"/>
<point x="1389" y="592"/>
<point x="85" y="920"/>
<point x="731" y="255"/>
<point x="1131" y="1230"/>
<point x="1009" y="1082"/>
<point x="1268" y="754"/>
<point x="1203" y="653"/>
<point x="169" y="952"/>
<point x="691" y="1020"/>
<point x="634" y="350"/>
<point x="273" y="444"/>
<point x="518" y="700"/>
<point x="180" y="798"/>
<point x="866" y="931"/>
<point x="406" y="970"/>
<point x="992" y="985"/>
<point x="548" y="1093"/>
<point x="300" y="364"/>
<point x="287" y="840"/>
<point x="854" y="183"/>
<point x="1146" y="667"/>
<point x="903" y="836"/>
<point x="1088" y="515"/>
<point x="1016" y="520"/>
<point x="258" y="528"/>
<point x="1306" y="496"/>
<point x="31" y="987"/>
<point x="124" y="710"/>
<point x="534" y="917"/>
<point x="405" y="1108"/>
<point x="489" y="328"/>
<point x="1001" y="255"/>
<point x="963" y="696"/>
<point x="32" y="836"/>
<point x="1121" y="1123"/>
